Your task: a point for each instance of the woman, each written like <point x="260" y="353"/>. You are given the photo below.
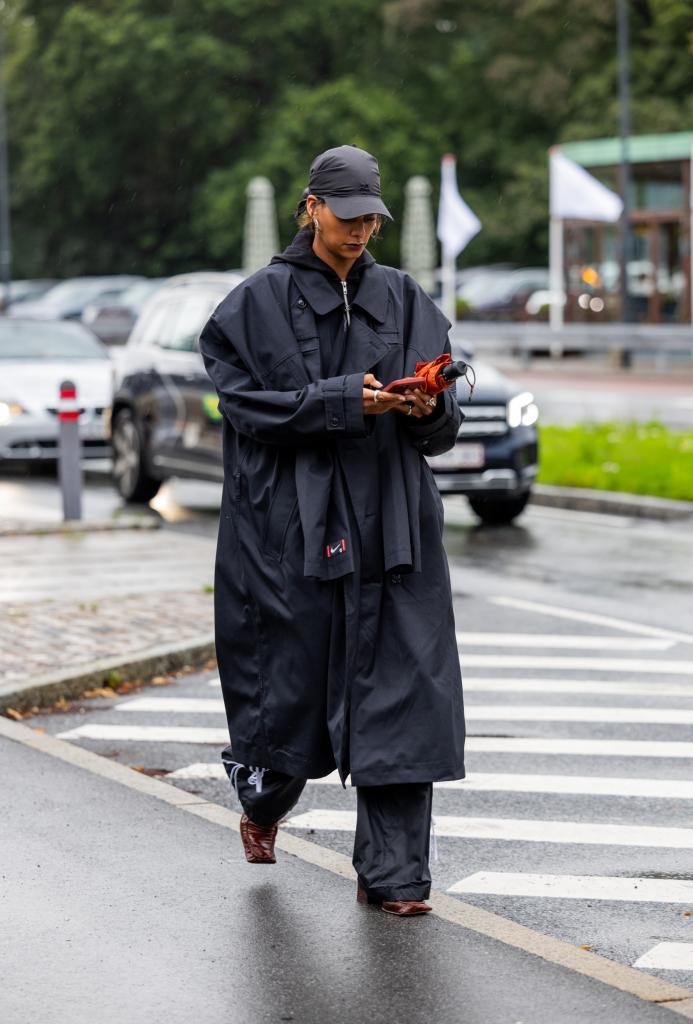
<point x="334" y="624"/>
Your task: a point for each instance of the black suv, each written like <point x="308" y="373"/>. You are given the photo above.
<point x="165" y="420"/>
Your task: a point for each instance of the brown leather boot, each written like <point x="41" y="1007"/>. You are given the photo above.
<point x="400" y="908"/>
<point x="258" y="841"/>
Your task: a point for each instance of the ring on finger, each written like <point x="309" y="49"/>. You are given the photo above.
<point x="431" y="401"/>
<point x="410" y="410"/>
<point x="376" y="396"/>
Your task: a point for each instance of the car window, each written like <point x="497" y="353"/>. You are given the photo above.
<point x="53" y="341"/>
<point x="150" y="330"/>
<point x="185" y="318"/>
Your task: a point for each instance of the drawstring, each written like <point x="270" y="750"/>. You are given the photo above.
<point x="434" y="840"/>
<point x="234" y="767"/>
<point x="255" y="778"/>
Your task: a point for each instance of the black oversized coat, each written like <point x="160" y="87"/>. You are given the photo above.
<point x="334" y="625"/>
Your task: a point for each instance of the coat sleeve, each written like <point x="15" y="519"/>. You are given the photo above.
<point x="325" y="409"/>
<point x="427" y="337"/>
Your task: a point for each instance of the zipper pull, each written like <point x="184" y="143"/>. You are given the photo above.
<point x="347" y="307"/>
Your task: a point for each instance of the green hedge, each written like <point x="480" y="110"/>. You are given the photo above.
<point x="639" y="458"/>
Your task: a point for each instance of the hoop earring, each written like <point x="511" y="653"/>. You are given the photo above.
<point x="316" y="224"/>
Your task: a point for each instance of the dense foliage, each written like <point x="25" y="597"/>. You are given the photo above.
<point x="135" y="125"/>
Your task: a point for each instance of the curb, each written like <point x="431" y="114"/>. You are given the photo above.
<point x="150" y="662"/>
<point x="16" y="528"/>
<point x="611" y="502"/>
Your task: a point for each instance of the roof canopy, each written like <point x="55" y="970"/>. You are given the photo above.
<point x="642" y="149"/>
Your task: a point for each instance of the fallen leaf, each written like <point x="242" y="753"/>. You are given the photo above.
<point x="12" y="713"/>
<point x="687" y="913"/>
<point x="586" y="947"/>
<point x="37" y="728"/>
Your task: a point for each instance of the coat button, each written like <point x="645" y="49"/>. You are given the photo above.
<point x="334" y="421"/>
<point x="396" y="578"/>
<point x="301" y="303"/>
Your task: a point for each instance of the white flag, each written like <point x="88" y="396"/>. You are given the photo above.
<point x="575" y="194"/>
<point x="457" y="225"/>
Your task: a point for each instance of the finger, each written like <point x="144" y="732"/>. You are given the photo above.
<point x="418" y="402"/>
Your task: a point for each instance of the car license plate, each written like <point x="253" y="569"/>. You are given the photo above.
<point x="462" y="456"/>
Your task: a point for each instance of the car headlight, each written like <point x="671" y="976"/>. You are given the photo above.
<point x="522" y="410"/>
<point x="9" y="411"/>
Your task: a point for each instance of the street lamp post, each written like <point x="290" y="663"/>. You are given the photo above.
<point x="5" y="239"/>
<point x="625" y="169"/>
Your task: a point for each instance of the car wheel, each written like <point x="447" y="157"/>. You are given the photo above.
<point x="132" y="480"/>
<point x="496" y="511"/>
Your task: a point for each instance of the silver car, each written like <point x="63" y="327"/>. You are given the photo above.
<point x="35" y="357"/>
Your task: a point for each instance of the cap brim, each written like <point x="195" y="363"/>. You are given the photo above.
<point x="346" y="207"/>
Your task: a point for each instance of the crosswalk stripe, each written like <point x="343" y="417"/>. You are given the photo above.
<point x="473" y="712"/>
<point x="592" y="617"/>
<point x="563" y="713"/>
<point x="578" y="747"/>
<point x="476" y="744"/>
<point x="668" y="956"/>
<point x="507" y="782"/>
<point x="576" y="887"/>
<point x="147" y="733"/>
<point x="505" y="684"/>
<point x="558" y="640"/>
<point x="185" y="705"/>
<point x="569" y="664"/>
<point x="519" y="830"/>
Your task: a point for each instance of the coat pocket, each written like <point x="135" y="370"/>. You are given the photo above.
<point x="280" y="515"/>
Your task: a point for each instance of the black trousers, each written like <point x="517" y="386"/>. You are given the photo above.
<point x="393" y="826"/>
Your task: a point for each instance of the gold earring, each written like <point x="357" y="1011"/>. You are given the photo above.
<point x="316" y="224"/>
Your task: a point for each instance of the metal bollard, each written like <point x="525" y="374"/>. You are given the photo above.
<point x="69" y="450"/>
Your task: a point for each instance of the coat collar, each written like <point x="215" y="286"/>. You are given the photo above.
<point x="371" y="296"/>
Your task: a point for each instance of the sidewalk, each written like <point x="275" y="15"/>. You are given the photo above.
<point x="125" y="899"/>
<point x="73" y="605"/>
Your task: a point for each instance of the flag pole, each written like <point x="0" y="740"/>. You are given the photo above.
<point x="556" y="282"/>
<point x="449" y="296"/>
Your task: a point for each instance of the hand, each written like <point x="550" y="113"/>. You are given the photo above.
<point x="376" y="402"/>
<point x="420" y="403"/>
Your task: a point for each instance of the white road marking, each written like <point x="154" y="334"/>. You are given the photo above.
<point x="569" y="642"/>
<point x="579" y="747"/>
<point x="576" y="887"/>
<point x="147" y="734"/>
<point x="569" y="664"/>
<point x="564" y="713"/>
<point x="519" y="830"/>
<point x="668" y="956"/>
<point x="505" y="684"/>
<point x="509" y="782"/>
<point x="184" y="705"/>
<point x="596" y="620"/>
<point x="473" y="712"/>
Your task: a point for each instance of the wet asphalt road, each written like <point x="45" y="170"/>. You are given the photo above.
<point x="561" y="613"/>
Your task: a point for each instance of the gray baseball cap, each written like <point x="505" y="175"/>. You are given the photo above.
<point x="348" y="179"/>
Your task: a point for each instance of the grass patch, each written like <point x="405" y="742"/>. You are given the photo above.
<point x="638" y="458"/>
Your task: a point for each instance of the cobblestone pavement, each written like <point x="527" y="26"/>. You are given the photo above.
<point x="68" y="601"/>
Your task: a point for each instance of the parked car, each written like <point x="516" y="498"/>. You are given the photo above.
<point x="66" y="300"/>
<point x="165" y="420"/>
<point x="23" y="289"/>
<point x="35" y="357"/>
<point x="503" y="295"/>
<point x="111" y="318"/>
